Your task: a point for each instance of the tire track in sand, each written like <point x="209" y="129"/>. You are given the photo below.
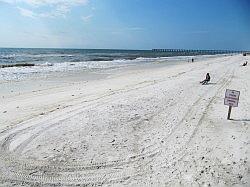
<point x="60" y="174"/>
<point x="188" y="126"/>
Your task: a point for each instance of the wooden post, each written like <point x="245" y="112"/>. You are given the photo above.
<point x="229" y="112"/>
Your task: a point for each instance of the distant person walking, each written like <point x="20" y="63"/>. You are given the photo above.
<point x="206" y="80"/>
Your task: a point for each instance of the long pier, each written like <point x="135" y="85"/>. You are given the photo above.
<point x="188" y="51"/>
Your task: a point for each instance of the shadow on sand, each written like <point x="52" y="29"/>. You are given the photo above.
<point x="210" y="83"/>
<point x="240" y="119"/>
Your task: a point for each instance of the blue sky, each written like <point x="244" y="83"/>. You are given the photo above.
<point x="126" y="24"/>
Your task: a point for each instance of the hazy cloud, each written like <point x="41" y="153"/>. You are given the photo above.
<point x="45" y="8"/>
<point x="118" y="31"/>
<point x="134" y="28"/>
<point x="26" y="12"/>
<point x="87" y="18"/>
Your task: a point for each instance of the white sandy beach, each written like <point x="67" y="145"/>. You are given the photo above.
<point x="137" y="127"/>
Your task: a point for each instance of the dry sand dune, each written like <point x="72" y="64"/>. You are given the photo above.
<point x="141" y="127"/>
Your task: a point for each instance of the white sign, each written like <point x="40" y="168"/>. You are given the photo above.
<point x="232" y="98"/>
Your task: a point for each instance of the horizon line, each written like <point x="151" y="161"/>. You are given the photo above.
<point x="125" y="49"/>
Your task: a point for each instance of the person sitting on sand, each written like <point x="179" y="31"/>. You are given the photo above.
<point x="245" y="63"/>
<point x="206" y="80"/>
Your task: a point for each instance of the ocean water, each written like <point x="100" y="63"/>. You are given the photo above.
<point x="63" y="60"/>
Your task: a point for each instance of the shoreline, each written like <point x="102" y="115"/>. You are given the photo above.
<point x="23" y="71"/>
<point x="58" y="79"/>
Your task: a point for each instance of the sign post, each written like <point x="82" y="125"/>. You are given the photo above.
<point x="229" y="112"/>
<point x="231" y="100"/>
